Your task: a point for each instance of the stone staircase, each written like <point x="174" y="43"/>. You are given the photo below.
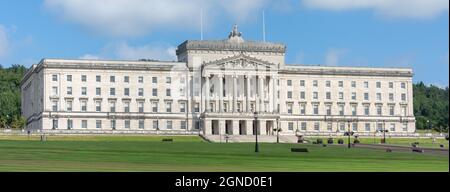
<point x="250" y="138"/>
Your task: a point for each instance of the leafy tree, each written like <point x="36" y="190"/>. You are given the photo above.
<point x="18" y="122"/>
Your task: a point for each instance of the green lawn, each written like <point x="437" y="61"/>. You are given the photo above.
<point x="148" y="153"/>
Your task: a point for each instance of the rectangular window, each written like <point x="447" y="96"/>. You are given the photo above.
<point x="83" y="78"/>
<point x="98" y="78"/>
<point x="113" y="124"/>
<point x="341" y="95"/>
<point x="127" y="124"/>
<point x="84" y="124"/>
<point x="155" y="124"/>
<point x="169" y="107"/>
<point x="98" y="124"/>
<point x="112" y="79"/>
<point x="83" y="91"/>
<point x="126" y="79"/>
<point x="391" y="110"/>
<point x="378" y="84"/>
<point x="391" y="97"/>
<point x="54" y="105"/>
<point x="168" y="80"/>
<point x="404" y="111"/>
<point x="126" y="106"/>
<point x="366" y="84"/>
<point x="141" y="107"/>
<point x="405" y="127"/>
<point x="366" y="96"/>
<point x="379" y="110"/>
<point x="126" y="91"/>
<point x="112" y="106"/>
<point x="55" y="77"/>
<point x="403" y="85"/>
<point x="342" y="126"/>
<point x="83" y="105"/>
<point x="341" y="83"/>
<point x="367" y="110"/>
<point x="168" y="93"/>
<point x="355" y="127"/>
<point x="316" y="109"/>
<point x="289" y="94"/>
<point x="182" y="124"/>
<point x="290" y="126"/>
<point x="141" y="92"/>
<point x="112" y="91"/>
<point x="98" y="91"/>
<point x="315" y="95"/>
<point x="367" y="126"/>
<point x="379" y="126"/>
<point x="289" y="108"/>
<point x="55" y="124"/>
<point x="353" y="84"/>
<point x="140" y="79"/>
<point x="391" y="85"/>
<point x="354" y="110"/>
<point x="302" y="83"/>
<point x="69" y="124"/>
<point x="98" y="106"/>
<point x="341" y="110"/>
<point x="328" y="83"/>
<point x="169" y="125"/>
<point x="328" y="95"/>
<point x="302" y="109"/>
<point x="183" y="107"/>
<point x="316" y="126"/>
<point x="141" y="124"/>
<point x="315" y="83"/>
<point x="69" y="78"/>
<point x="303" y="126"/>
<point x="328" y="109"/>
<point x="154" y="107"/>
<point x="392" y="127"/>
<point x="154" y="92"/>
<point x="154" y="80"/>
<point x="403" y="97"/>
<point x="378" y="96"/>
<point x="353" y="95"/>
<point x="329" y="126"/>
<point x="289" y="82"/>
<point x="69" y="105"/>
<point x="69" y="90"/>
<point x="302" y="95"/>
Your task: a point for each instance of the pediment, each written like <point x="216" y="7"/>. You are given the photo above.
<point x="239" y="62"/>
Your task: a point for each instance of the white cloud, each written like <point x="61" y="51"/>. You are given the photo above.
<point x="89" y="56"/>
<point x="333" y="56"/>
<point x="138" y="17"/>
<point x="4" y="44"/>
<point x="125" y="51"/>
<point x="423" y="9"/>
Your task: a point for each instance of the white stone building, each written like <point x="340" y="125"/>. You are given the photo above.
<point x="216" y="87"/>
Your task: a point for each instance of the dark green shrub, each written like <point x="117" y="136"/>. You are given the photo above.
<point x="330" y="141"/>
<point x="341" y="141"/>
<point x="319" y="141"/>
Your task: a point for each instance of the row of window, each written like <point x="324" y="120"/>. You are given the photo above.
<point x="113" y="92"/>
<point x="344" y="126"/>
<point x="112" y="79"/>
<point x="126" y="106"/>
<point x="328" y="83"/>
<point x="341" y="109"/>
<point x="315" y="96"/>
<point x="113" y="124"/>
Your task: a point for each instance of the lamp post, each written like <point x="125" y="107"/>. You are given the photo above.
<point x="256" y="132"/>
<point x="278" y="130"/>
<point x="384" y="132"/>
<point x="349" y="134"/>
<point x="429" y="125"/>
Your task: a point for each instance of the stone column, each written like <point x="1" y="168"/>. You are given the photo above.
<point x="271" y="90"/>
<point x="262" y="127"/>
<point x="249" y="127"/>
<point x="235" y="127"/>
<point x="207" y="127"/>
<point x="235" y="93"/>
<point x="220" y="93"/>
<point x="261" y="93"/>
<point x="247" y="91"/>
<point x="221" y="127"/>
<point x="207" y="91"/>
<point x="275" y="95"/>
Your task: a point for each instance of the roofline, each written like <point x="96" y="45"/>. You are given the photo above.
<point x="353" y="67"/>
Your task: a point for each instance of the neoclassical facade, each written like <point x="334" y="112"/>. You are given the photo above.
<point x="230" y="86"/>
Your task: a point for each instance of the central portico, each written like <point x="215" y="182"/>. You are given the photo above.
<point x="238" y="78"/>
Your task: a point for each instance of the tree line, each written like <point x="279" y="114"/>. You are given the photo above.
<point x="430" y="102"/>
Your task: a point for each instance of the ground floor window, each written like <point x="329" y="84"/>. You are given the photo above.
<point x="98" y="124"/>
<point x="69" y="124"/>
<point x="84" y="124"/>
<point x="342" y="126"/>
<point x="405" y="126"/>
<point x="183" y="124"/>
<point x="141" y="124"/>
<point x="330" y="126"/>
<point x="367" y="126"/>
<point x="316" y="126"/>
<point x="290" y="126"/>
<point x="55" y="124"/>
<point x="197" y="124"/>
<point x="169" y="125"/>
<point x="113" y="124"/>
<point x="303" y="126"/>
<point x="127" y="124"/>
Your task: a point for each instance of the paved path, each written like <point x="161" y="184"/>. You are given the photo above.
<point x="437" y="151"/>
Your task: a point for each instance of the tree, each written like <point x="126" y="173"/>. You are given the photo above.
<point x="18" y="122"/>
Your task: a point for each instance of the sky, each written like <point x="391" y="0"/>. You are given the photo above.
<point x="373" y="33"/>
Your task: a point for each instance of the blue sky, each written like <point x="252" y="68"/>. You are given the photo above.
<point x="376" y="33"/>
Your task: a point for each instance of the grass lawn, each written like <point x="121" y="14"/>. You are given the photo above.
<point x="423" y="142"/>
<point x="148" y="153"/>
